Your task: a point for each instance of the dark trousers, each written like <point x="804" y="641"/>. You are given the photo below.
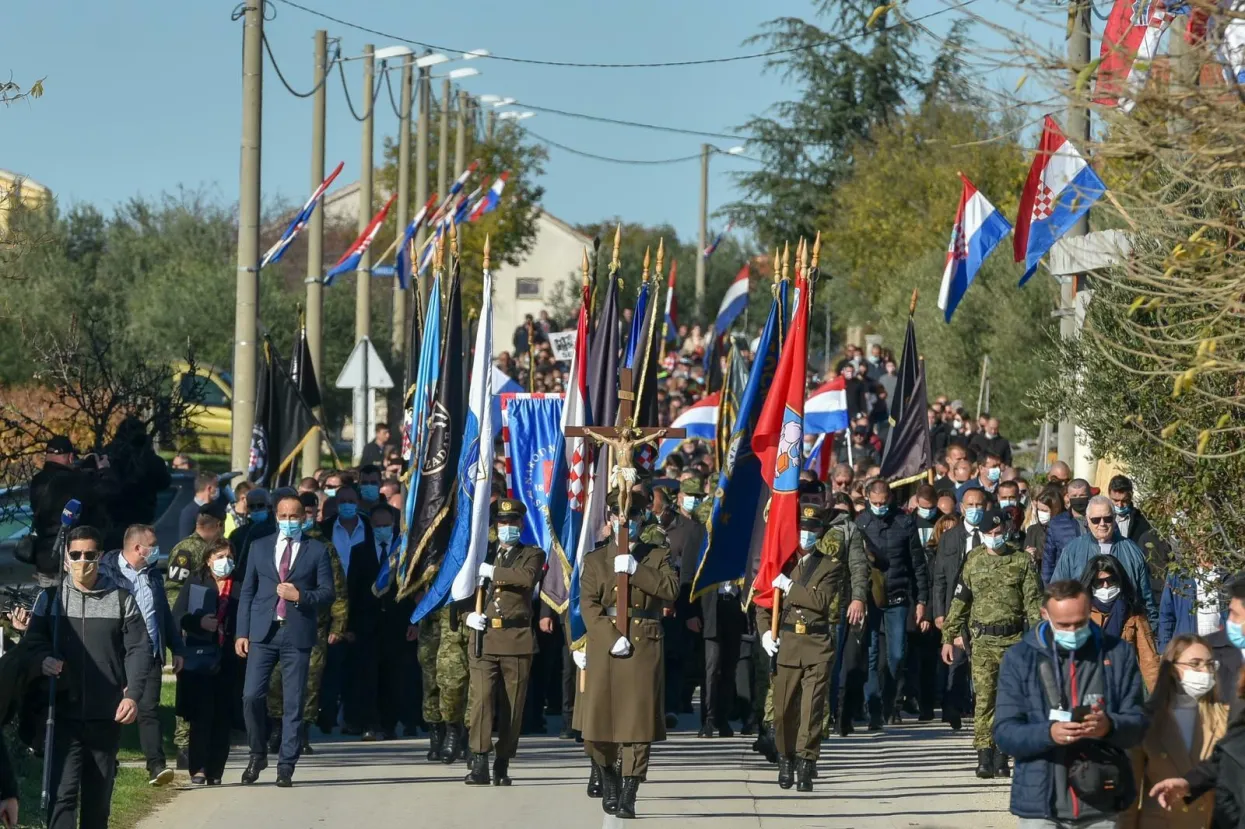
<point x="718" y="703"/>
<point x="956" y="690"/>
<point x="374" y="693"/>
<point x="295" y="665"/>
<point x="568" y="685"/>
<point x="84" y="766"/>
<point x="924" y="657"/>
<point x="149" y="720"/>
<point x="854" y="666"/>
<point x="332" y="683"/>
<point x="674" y="640"/>
<point x="209" y="731"/>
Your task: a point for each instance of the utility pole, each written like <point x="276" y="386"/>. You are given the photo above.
<point x="1077" y="123"/>
<point x="421" y="174"/>
<point x="443" y="153"/>
<point x="363" y="276"/>
<point x="705" y="149"/>
<point x="315" y="244"/>
<point x="404" y="203"/>
<point x="460" y="135"/>
<point x="247" y="301"/>
<point x="490" y="127"/>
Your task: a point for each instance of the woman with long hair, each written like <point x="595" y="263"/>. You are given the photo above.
<point x="1047" y="504"/>
<point x="1117" y="609"/>
<point x="1187" y="721"/>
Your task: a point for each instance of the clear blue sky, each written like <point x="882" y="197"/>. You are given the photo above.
<point x="143" y="96"/>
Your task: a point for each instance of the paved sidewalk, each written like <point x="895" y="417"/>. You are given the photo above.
<point x="909" y="776"/>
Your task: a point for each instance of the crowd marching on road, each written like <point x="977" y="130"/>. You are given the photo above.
<point x="1110" y="692"/>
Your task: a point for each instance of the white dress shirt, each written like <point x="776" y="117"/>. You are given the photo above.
<point x="344" y="540"/>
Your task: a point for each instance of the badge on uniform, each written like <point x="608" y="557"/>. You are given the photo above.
<point x="801" y="628"/>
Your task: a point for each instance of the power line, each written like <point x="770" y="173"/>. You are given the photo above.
<point x="346" y="91"/>
<point x="273" y="60"/>
<point x="630" y="161"/>
<point x="657" y="65"/>
<point x="623" y="123"/>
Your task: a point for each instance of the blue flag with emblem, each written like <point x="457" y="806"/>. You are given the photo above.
<point x="534" y="427"/>
<point x="740" y="493"/>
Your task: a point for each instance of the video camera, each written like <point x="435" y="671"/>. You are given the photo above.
<point x="13" y="597"/>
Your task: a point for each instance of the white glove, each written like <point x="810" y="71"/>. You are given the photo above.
<point x="621" y="647"/>
<point x="486" y="571"/>
<point x="475" y="621"/>
<point x="625" y="564"/>
<point x="782" y="583"/>
<point x="581" y="659"/>
<point x="769" y="643"/>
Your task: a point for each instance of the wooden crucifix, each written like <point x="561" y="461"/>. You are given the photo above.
<point x="623" y="440"/>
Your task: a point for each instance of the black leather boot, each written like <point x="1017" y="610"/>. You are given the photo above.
<point x="786" y="771"/>
<point x="253" y="768"/>
<point x="436" y="738"/>
<point x="985" y="763"/>
<point x="1001" y="768"/>
<point x="594" y="781"/>
<point x="478" y="776"/>
<point x="806" y="770"/>
<point x="501" y="768"/>
<point x="611" y="785"/>
<point x="307" y="749"/>
<point x="769" y="745"/>
<point x="452" y="749"/>
<point x="626" y="800"/>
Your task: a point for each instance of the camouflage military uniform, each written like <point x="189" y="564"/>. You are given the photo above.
<point x="186" y="557"/>
<point x="451" y="674"/>
<point x="429" y="644"/>
<point x="333" y="622"/>
<point x="996" y="593"/>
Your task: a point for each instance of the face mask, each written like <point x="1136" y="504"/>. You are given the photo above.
<point x="879" y="510"/>
<point x="926" y="512"/>
<point x="369" y="492"/>
<point x="347" y="511"/>
<point x="958" y="424"/>
<point x="994" y="473"/>
<point x="222" y="567"/>
<point x="873" y="359"/>
<point x="1123" y="511"/>
<point x="84" y="572"/>
<point x="508" y="534"/>
<point x="1235" y="635"/>
<point x="259" y="516"/>
<point x="1071" y="640"/>
<point x="633" y="529"/>
<point x="1004" y="503"/>
<point x="1106" y="594"/>
<point x="992" y="435"/>
<point x="995" y="542"/>
<point x="292" y="528"/>
<point x="383" y="534"/>
<point x="331" y="491"/>
<point x="1196" y="683"/>
<point x="1024" y="499"/>
<point x="808" y="539"/>
<point x="1079" y="504"/>
<point x="1042" y="516"/>
<point x="973" y="515"/>
<point x="690" y="502"/>
<point x="308" y="523"/>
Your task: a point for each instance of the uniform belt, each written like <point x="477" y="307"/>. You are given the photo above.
<point x="1010" y="629"/>
<point x="634" y="613"/>
<point x="498" y="623"/>
<point x="807" y="628"/>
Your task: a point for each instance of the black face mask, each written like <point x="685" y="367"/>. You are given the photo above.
<point x="1079" y="504"/>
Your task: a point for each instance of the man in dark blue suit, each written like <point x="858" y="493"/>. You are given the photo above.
<point x="287" y="578"/>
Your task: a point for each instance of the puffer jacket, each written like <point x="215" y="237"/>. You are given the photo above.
<point x="1059" y="533"/>
<point x="896" y="548"/>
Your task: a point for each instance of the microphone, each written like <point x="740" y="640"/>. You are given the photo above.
<point x="69" y="515"/>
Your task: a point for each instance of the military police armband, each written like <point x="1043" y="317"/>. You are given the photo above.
<point x="178" y="574"/>
<point x="962" y="592"/>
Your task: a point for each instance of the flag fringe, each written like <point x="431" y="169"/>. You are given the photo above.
<point x="407" y="588"/>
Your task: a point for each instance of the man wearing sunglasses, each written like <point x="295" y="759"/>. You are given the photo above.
<point x="102" y="657"/>
<point x="1104" y="538"/>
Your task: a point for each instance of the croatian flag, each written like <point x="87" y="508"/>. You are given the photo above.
<point x="672" y="307"/>
<point x="350" y="259"/>
<point x="402" y="263"/>
<point x="491" y="198"/>
<point x="299" y="222"/>
<point x="709" y="250"/>
<point x="826" y="411"/>
<point x="734" y="302"/>
<point x="1129" y="43"/>
<point x="700" y="420"/>
<point x="979" y="227"/>
<point x="457" y="187"/>
<point x="1060" y="189"/>
<point x="462" y="211"/>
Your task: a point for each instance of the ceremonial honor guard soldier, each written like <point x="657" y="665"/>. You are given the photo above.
<point x="500" y="649"/>
<point x="622" y="703"/>
<point x="810" y="586"/>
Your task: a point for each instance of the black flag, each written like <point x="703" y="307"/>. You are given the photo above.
<point x="906" y="380"/>
<point x="907" y="455"/>
<point x="302" y="370"/>
<point x="429" y="533"/>
<point x="603" y="349"/>
<point x="259" y="468"/>
<point x="283" y="422"/>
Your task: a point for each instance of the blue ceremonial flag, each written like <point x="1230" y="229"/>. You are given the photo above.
<point x="740" y="493"/>
<point x="503" y="383"/>
<point x="532" y="434"/>
<point x="635" y="338"/>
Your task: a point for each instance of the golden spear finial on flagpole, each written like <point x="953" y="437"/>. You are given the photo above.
<point x="776" y="265"/>
<point x="804" y="257"/>
<point x="786" y="260"/>
<point x="615" y="264"/>
<point x="912" y="304"/>
<point x="486" y="251"/>
<point x="644" y="272"/>
<point x="454" y="238"/>
<point x="661" y="258"/>
<point x="439" y="256"/>
<point x="585" y="267"/>
<point x="816" y="249"/>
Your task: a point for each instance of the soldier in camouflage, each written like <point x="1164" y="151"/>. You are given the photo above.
<point x="996" y="594"/>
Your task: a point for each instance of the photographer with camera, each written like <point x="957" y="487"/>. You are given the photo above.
<point x="64" y="477"/>
<point x="141" y="475"/>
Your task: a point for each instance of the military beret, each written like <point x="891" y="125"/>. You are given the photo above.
<point x="694" y="485"/>
<point x="510" y="508"/>
<point x="812" y="516"/>
<point x="215" y="509"/>
<point x="993" y="519"/>
<point x="638" y="503"/>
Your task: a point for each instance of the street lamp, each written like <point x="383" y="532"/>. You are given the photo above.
<point x="515" y="116"/>
<point x="465" y="72"/>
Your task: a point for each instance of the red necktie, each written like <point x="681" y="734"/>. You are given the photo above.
<point x="284" y="572"/>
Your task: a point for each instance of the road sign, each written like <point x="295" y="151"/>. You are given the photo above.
<point x="364" y="367"/>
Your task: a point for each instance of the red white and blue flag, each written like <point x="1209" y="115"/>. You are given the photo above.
<point x="354" y="253"/>
<point x="299" y="222"/>
<point x="700" y="420"/>
<point x="779" y="444"/>
<point x="734" y="303"/>
<point x="979" y="227"/>
<point x="826" y="411"/>
<point x="1060" y="189"/>
<point x="672" y="306"/>
<point x="1130" y="41"/>
<point x="491" y="198"/>
<point x="709" y="250"/>
<point x="402" y="263"/>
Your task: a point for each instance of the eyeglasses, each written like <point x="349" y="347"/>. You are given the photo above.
<point x="1201" y="664"/>
<point x="1110" y="581"/>
<point x="83" y="555"/>
<point x="1101" y="519"/>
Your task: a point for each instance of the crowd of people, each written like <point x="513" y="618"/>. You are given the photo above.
<point x="1043" y="608"/>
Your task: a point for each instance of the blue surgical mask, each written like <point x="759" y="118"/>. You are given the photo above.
<point x="879" y="510"/>
<point x="369" y="492"/>
<point x="1004" y="503"/>
<point x="383" y="534"/>
<point x="808" y="539"/>
<point x="994" y="473"/>
<point x="926" y="512"/>
<point x="1123" y="511"/>
<point x="973" y="515"/>
<point x="308" y="523"/>
<point x="293" y="528"/>
<point x="508" y="533"/>
<point x="259" y="516"/>
<point x="995" y="542"/>
<point x="1235" y="635"/>
<point x="331" y="491"/>
<point x="347" y="511"/>
<point x="634" y="526"/>
<point x="690" y="502"/>
<point x="222" y="567"/>
<point x="1071" y="640"/>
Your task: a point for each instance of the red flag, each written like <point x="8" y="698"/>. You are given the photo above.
<point x="779" y="442"/>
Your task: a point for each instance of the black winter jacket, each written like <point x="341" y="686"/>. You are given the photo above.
<point x="897" y="552"/>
